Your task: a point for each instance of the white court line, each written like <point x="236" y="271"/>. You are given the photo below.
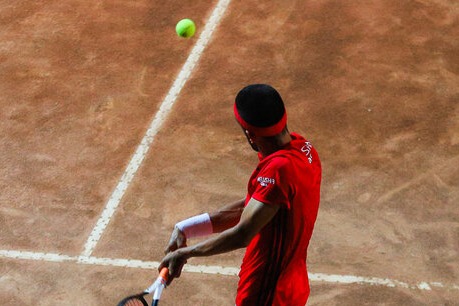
<point x="155" y="126"/>
<point x="220" y="270"/>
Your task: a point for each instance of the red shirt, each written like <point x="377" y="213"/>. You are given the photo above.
<point x="273" y="270"/>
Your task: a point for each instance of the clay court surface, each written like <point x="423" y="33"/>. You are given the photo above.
<point x="374" y="85"/>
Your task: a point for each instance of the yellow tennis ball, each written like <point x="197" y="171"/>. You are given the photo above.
<point x="185" y="28"/>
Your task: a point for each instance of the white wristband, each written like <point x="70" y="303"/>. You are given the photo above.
<point x="196" y="226"/>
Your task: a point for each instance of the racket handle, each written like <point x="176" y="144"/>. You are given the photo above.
<point x="157" y="294"/>
<point x="161" y="284"/>
<point x="164" y="274"/>
<point x="161" y="279"/>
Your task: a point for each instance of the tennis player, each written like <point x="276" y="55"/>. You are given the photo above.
<point x="275" y="221"/>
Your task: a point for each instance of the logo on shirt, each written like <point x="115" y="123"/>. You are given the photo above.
<point x="306" y="149"/>
<point x="265" y="181"/>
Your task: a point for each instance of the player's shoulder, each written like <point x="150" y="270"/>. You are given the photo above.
<point x="295" y="154"/>
<point x="279" y="163"/>
<point x="281" y="160"/>
<point x="304" y="148"/>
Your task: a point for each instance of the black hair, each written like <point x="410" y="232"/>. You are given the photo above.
<point x="260" y="105"/>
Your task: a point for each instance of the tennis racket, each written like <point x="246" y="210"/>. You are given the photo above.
<point x="156" y="288"/>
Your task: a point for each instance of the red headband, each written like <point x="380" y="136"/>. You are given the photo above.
<point x="262" y="131"/>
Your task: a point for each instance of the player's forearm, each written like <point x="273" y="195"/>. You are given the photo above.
<point x="253" y="218"/>
<point x="229" y="240"/>
<point x="227" y="216"/>
<point x="206" y="224"/>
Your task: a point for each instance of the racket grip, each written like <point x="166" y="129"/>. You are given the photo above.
<point x="160" y="280"/>
<point x="161" y="284"/>
<point x="164" y="274"/>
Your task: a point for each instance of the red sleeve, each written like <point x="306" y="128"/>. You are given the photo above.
<point x="272" y="185"/>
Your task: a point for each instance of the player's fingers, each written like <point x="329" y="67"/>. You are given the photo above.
<point x="172" y="270"/>
<point x="169" y="262"/>
<point x="181" y="241"/>
<point x="162" y="264"/>
<point x="176" y="266"/>
<point x="175" y="270"/>
<point x="172" y="246"/>
<point x="166" y="262"/>
<point x="177" y="241"/>
<point x="180" y="268"/>
<point x="170" y="277"/>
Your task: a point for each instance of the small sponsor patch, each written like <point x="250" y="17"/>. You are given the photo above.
<point x="265" y="181"/>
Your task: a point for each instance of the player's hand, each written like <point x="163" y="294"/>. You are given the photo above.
<point x="174" y="261"/>
<point x="177" y="241"/>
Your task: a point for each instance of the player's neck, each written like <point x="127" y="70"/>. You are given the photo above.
<point x="270" y="145"/>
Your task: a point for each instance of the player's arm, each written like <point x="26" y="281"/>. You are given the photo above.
<point x="254" y="217"/>
<point x="227" y="216"/>
<point x="205" y="224"/>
